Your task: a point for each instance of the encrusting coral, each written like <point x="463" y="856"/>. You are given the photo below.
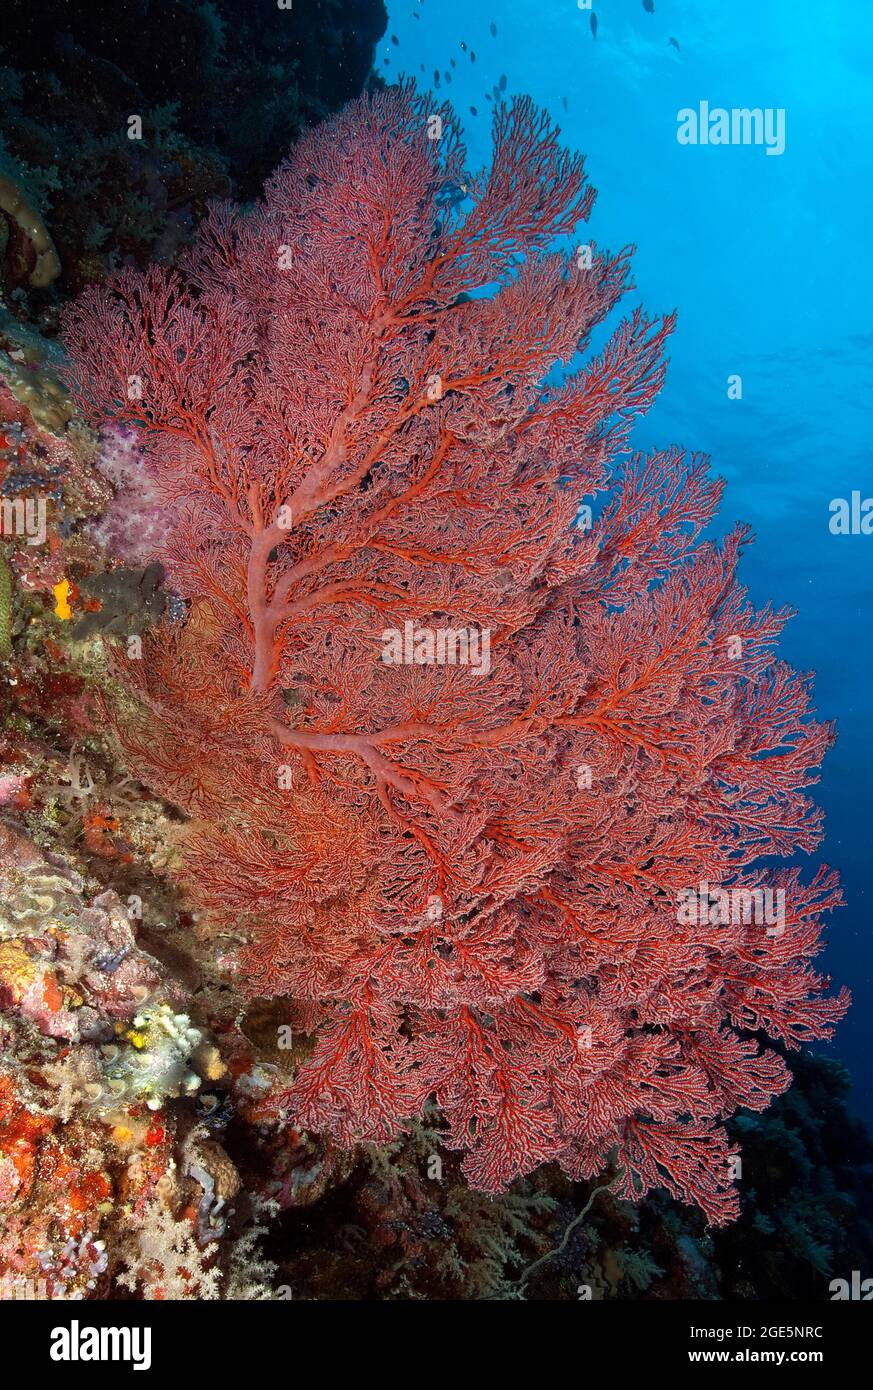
<point x="42" y="263"/>
<point x="102" y="1182"/>
<point x="463" y="709"/>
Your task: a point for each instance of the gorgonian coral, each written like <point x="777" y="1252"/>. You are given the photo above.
<point x="451" y="758"/>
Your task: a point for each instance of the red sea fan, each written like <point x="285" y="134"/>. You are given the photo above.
<point x="483" y="778"/>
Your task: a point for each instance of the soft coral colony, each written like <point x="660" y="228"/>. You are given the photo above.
<point x="466" y="882"/>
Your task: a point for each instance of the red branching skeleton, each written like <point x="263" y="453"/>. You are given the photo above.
<point x="469" y="888"/>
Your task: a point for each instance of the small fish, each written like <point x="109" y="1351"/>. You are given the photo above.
<point x="649" y="6"/>
<point x="453" y="63"/>
<point x="472" y="56"/>
<point x="593" y="22"/>
<point x="394" y="39"/>
<point x="488" y="96"/>
<point x="675" y="44"/>
<point x="502" y="83"/>
<point x="564" y="102"/>
<point x="421" y="65"/>
<point x="436" y="78"/>
<point x="463" y="46"/>
<point x="447" y="76"/>
<point x="108" y="963"/>
<point x="473" y="111"/>
<point x="493" y="27"/>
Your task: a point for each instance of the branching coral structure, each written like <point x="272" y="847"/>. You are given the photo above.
<point x="463" y="707"/>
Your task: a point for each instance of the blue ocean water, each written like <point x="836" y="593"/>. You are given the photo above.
<point x="766" y="258"/>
